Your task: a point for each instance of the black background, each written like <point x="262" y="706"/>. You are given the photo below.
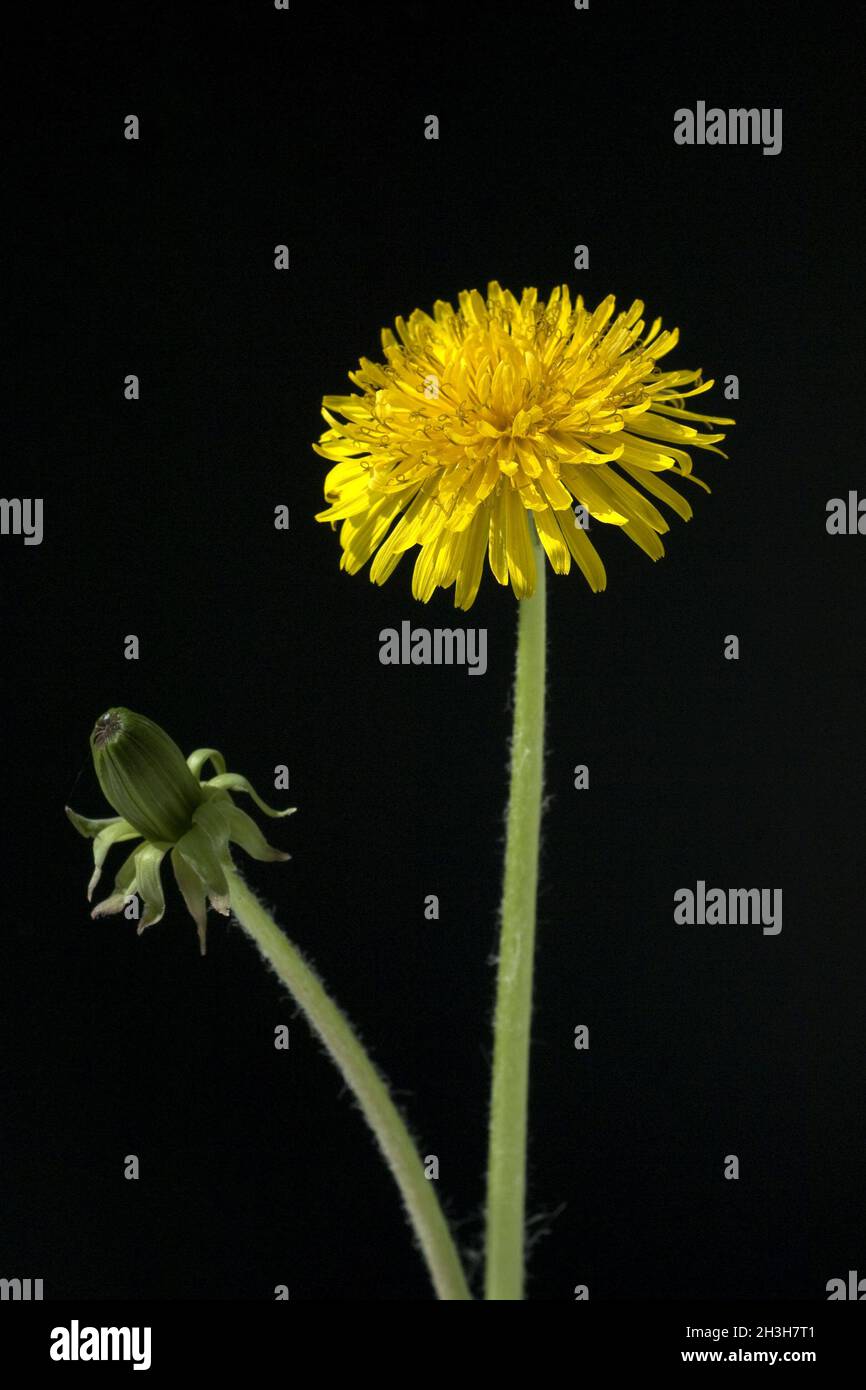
<point x="156" y="257"/>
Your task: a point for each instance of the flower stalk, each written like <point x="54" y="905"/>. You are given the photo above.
<point x="506" y="1174"/>
<point x="335" y="1031"/>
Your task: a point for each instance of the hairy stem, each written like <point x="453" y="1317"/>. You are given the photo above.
<point x="506" y="1173"/>
<point x="386" y="1122"/>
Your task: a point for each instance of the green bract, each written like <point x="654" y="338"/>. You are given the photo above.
<point x="161" y="799"/>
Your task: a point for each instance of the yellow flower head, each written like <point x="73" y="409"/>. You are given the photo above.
<point x="485" y="425"/>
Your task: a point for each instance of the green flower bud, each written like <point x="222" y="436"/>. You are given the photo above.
<point x="144" y="775"/>
<point x="162" y="798"/>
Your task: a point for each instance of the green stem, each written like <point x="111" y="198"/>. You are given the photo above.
<point x="335" y="1031"/>
<point x="506" y="1172"/>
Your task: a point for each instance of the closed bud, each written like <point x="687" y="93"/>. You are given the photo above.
<point x="163" y="799"/>
<point x="144" y="775"/>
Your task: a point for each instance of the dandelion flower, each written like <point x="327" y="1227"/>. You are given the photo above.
<point x="486" y="425"/>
